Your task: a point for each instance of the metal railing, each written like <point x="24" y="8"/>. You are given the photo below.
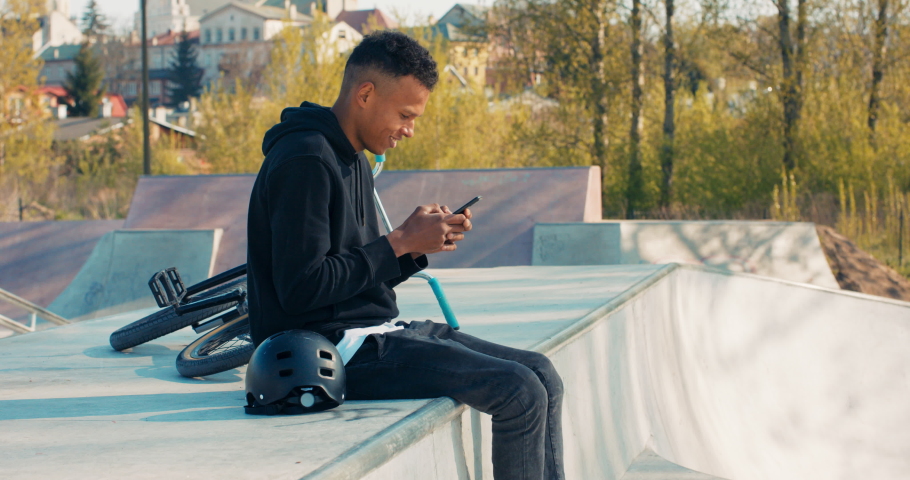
<point x="34" y="312"/>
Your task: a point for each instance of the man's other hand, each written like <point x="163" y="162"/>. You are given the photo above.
<point x="466" y="225"/>
<point x="430" y="229"/>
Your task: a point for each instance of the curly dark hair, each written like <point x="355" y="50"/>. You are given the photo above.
<point x="393" y="54"/>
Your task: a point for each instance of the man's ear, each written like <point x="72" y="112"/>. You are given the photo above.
<point x="365" y="93"/>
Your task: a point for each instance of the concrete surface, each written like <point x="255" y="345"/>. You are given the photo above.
<point x="39" y="259"/>
<point x="731" y="375"/>
<point x="514" y="200"/>
<point x="115" y="277"/>
<point x="651" y="466"/>
<point x="72" y="406"/>
<point x="785" y="250"/>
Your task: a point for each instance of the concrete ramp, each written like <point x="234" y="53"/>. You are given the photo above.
<point x="514" y="200"/>
<point x="785" y="250"/>
<point x="114" y="278"/>
<point x="671" y="372"/>
<point x="196" y="202"/>
<point x="39" y="259"/>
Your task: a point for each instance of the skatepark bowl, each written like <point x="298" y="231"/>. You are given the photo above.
<point x="671" y="372"/>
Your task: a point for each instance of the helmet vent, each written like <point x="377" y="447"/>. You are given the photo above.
<point x="283" y="355"/>
<point x="326" y="372"/>
<point x="287" y="372"/>
<point x="326" y="355"/>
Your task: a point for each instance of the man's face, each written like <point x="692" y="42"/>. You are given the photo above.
<point x="389" y="112"/>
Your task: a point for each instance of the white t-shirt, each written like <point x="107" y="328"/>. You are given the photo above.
<point x="354" y="338"/>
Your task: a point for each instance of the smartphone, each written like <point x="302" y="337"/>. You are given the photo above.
<point x="465" y="206"/>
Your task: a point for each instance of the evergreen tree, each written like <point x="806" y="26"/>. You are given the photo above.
<point x="84" y="84"/>
<point x="185" y="76"/>
<point x="94" y="23"/>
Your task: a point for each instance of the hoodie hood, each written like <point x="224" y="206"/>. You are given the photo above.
<point x="311" y="117"/>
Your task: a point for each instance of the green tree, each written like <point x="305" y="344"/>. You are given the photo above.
<point x="94" y="23"/>
<point x="25" y="138"/>
<point x="185" y="75"/>
<point x="84" y="83"/>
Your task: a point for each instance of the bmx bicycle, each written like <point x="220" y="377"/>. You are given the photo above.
<point x="218" y="308"/>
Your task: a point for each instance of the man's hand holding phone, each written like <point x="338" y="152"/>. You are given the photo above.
<point x="430" y="229"/>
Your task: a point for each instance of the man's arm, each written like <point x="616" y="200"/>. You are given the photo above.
<point x="409" y="265"/>
<point x="305" y="276"/>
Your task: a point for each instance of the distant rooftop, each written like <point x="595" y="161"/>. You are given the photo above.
<point x="463" y="23"/>
<point x="74" y="128"/>
<point x="63" y="52"/>
<point x="360" y="20"/>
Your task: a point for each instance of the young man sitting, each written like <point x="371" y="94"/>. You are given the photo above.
<point x="317" y="261"/>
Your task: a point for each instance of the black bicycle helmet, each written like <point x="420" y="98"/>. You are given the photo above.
<point x="295" y="371"/>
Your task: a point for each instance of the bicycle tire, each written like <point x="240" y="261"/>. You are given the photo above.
<point x="167" y="321"/>
<point x="226" y="347"/>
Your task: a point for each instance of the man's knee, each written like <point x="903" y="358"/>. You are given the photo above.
<point x="547" y="373"/>
<point x="524" y="390"/>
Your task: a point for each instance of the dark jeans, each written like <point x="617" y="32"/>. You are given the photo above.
<point x="519" y="389"/>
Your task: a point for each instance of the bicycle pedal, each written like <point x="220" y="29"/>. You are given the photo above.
<point x="167" y="287"/>
<point x="206" y="326"/>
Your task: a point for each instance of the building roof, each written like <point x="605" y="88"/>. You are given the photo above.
<point x="303" y="6"/>
<point x="172" y="38"/>
<point x="82" y="128"/>
<point x="118" y="109"/>
<point x="360" y="19"/>
<point x="264" y="11"/>
<point x="174" y="128"/>
<point x="453" y="33"/>
<point x="56" y="91"/>
<point x="64" y="52"/>
<point x="464" y="15"/>
<point x="463" y="23"/>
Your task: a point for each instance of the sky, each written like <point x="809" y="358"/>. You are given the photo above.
<point x="121" y="12"/>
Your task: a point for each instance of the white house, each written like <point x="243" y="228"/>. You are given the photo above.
<point x="56" y="28"/>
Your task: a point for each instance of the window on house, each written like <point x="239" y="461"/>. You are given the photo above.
<point x="466" y="71"/>
<point x="474" y="52"/>
<point x="218" y="37"/>
<point x="208" y="35"/>
<point x="255" y="33"/>
<point x="465" y="52"/>
<point x="230" y="34"/>
<point x="476" y="71"/>
<point x="154" y="88"/>
<point x="243" y="34"/>
<point x="342" y="33"/>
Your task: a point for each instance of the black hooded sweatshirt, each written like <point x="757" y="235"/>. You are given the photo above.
<point x="315" y="258"/>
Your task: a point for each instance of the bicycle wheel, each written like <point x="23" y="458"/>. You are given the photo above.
<point x="166" y="320"/>
<point x="226" y="347"/>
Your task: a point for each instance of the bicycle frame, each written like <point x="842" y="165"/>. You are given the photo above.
<point x="433" y="281"/>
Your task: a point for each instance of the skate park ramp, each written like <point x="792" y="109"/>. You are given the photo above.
<point x="671" y="372"/>
<point x="514" y="200"/>
<point x="115" y="276"/>
<point x="39" y="259"/>
<point x="196" y="202"/>
<point x="785" y="250"/>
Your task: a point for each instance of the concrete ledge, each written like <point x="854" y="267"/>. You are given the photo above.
<point x="785" y="250"/>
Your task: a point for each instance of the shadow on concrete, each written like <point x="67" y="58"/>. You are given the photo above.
<point x="27" y="409"/>
<point x="163" y="363"/>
